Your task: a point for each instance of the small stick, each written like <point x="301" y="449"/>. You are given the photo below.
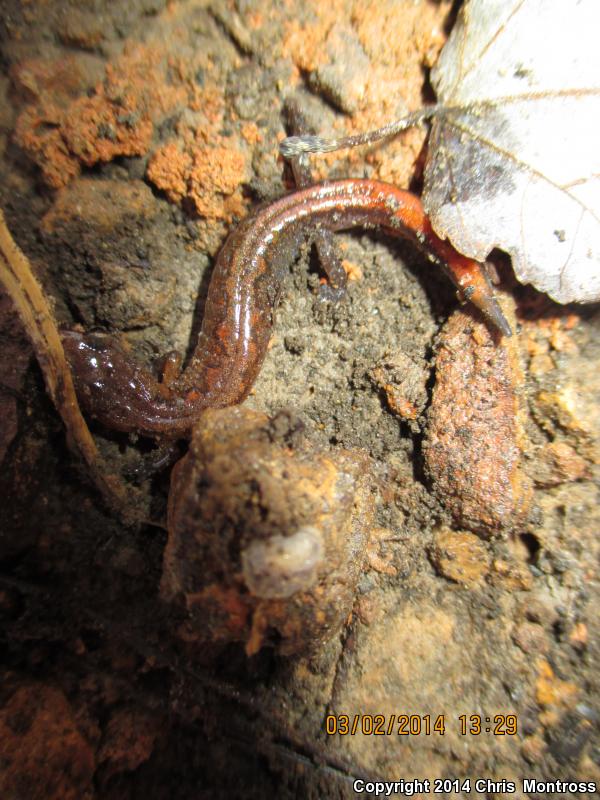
<point x="36" y="315"/>
<point x="294" y="146"/>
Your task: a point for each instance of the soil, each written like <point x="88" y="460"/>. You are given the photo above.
<point x="446" y="480"/>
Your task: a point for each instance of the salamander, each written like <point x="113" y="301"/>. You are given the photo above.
<point x="239" y="313"/>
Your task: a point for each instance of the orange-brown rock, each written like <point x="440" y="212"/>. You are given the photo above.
<point x="475" y="436"/>
<point x="461" y="556"/>
<point x="403" y="383"/>
<point x="208" y="177"/>
<point x="266" y="536"/>
<point x="552" y="691"/>
<point x="531" y="638"/>
<point x="560" y="463"/>
<point x="61" y="130"/>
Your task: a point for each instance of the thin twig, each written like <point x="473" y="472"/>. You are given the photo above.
<point x="297" y="145"/>
<point x="36" y="315"/>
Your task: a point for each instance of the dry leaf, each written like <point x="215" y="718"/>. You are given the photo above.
<point x="518" y="165"/>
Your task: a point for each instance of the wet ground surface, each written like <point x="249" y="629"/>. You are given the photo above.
<point x="440" y="485"/>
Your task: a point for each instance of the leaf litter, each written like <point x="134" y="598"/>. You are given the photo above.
<point x="513" y="159"/>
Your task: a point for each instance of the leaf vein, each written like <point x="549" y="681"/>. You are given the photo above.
<point x="477" y="58"/>
<point x="491" y="145"/>
<point x="563" y="269"/>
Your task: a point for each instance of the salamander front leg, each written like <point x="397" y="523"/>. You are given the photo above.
<point x="324" y="240"/>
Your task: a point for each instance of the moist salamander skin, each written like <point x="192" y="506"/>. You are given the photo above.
<point x="240" y="307"/>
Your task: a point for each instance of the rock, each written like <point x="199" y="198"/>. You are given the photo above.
<point x="267" y="537"/>
<point x="461" y="557"/>
<point x="403" y="383"/>
<point x="531" y="638"/>
<point x="560" y="463"/>
<point x="552" y="691"/>
<point x="343" y="76"/>
<point x="475" y="434"/>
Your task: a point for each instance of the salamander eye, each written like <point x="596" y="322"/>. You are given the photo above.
<point x="279" y="567"/>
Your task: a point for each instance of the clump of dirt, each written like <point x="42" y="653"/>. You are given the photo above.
<point x="65" y="128"/>
<point x="208" y="180"/>
<point x="475" y="442"/>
